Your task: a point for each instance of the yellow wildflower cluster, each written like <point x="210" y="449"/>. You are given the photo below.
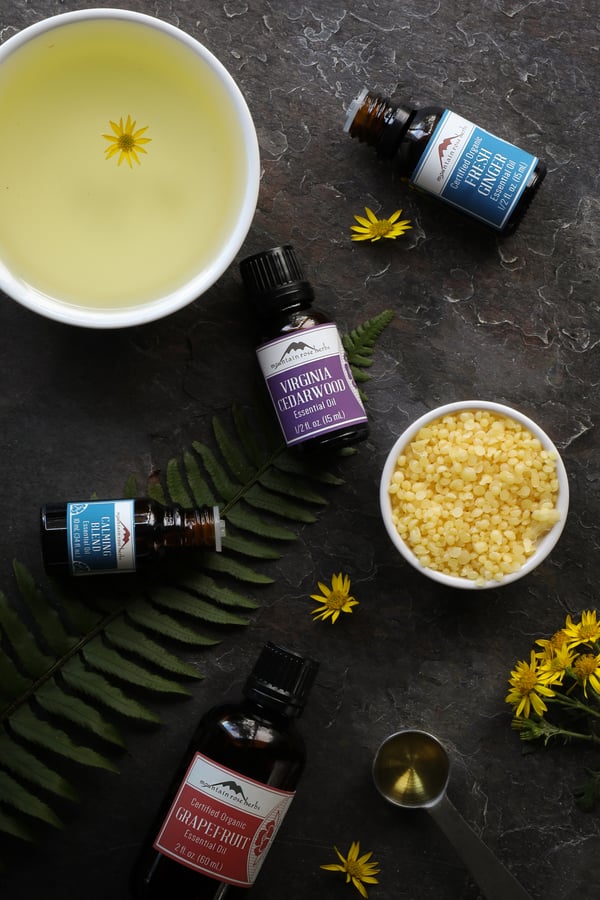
<point x="472" y="493"/>
<point x="568" y="661"/>
<point x="563" y="672"/>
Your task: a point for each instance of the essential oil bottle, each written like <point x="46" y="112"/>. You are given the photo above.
<point x="301" y="356"/>
<point x="450" y="158"/>
<point x="110" y="536"/>
<point x="232" y="790"/>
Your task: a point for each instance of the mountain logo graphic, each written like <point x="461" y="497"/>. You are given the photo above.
<point x="296" y="345"/>
<point x="443" y="148"/>
<point x="232" y="786"/>
<point x="126" y="536"/>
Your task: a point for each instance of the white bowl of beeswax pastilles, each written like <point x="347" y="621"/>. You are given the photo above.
<point x="474" y="494"/>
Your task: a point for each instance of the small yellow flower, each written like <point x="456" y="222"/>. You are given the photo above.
<point x="372" y="228"/>
<point x="126" y="141"/>
<point x="587" y="671"/>
<point x="549" y="647"/>
<point x="556" y="663"/>
<point x="587" y="631"/>
<point x="335" y="599"/>
<point x="357" y="869"/>
<point x="529" y="683"/>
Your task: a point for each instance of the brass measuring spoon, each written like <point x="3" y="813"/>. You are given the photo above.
<point x="411" y="769"/>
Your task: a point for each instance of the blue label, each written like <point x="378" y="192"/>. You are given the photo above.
<point x="101" y="537"/>
<point x="474" y="170"/>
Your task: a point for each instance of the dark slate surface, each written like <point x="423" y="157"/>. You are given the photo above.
<point x="514" y="321"/>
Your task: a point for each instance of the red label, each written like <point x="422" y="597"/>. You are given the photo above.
<point x="222" y="823"/>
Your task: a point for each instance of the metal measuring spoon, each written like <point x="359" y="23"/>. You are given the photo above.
<point x="411" y="769"/>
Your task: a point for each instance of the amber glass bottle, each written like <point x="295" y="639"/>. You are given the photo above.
<point x="232" y="789"/>
<point x="301" y="356"/>
<point x="106" y="536"/>
<point x="450" y="158"/>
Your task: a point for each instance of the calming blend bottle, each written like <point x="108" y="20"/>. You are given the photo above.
<point x="450" y="158"/>
<point x="232" y="790"/>
<point x="301" y="356"/>
<point x="100" y="537"/>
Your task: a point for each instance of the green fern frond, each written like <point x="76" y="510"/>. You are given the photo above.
<point x="201" y="492"/>
<point x="248" y="432"/>
<point x="247" y="520"/>
<point x="287" y="485"/>
<point x="109" y="661"/>
<point x="95" y="686"/>
<point x="63" y="705"/>
<point x="13" y="794"/>
<point x="21" y="762"/>
<point x="24" y="647"/>
<point x="236" y="569"/>
<point x="278" y="505"/>
<point x="33" y="729"/>
<point x="51" y="629"/>
<point x="81" y="618"/>
<point x="154" y="489"/>
<point x="222" y="594"/>
<point x="123" y="635"/>
<point x="15" y="827"/>
<point x="12" y="683"/>
<point x="144" y="614"/>
<point x="185" y="602"/>
<point x="175" y="486"/>
<point x="239" y="466"/>
<point x="359" y="344"/>
<point x="302" y="468"/>
<point x="245" y="546"/>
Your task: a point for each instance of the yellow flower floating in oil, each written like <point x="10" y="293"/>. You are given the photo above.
<point x="126" y="141"/>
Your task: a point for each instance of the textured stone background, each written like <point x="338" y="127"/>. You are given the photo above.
<point x="514" y="321"/>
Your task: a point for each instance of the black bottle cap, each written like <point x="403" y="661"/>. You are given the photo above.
<point x="281" y="678"/>
<point x="273" y="279"/>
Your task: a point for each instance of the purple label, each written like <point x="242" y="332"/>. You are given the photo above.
<point x="310" y="383"/>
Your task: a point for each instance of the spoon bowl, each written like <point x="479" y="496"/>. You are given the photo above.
<point x="411" y="769"/>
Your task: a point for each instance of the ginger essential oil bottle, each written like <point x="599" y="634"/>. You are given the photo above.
<point x="449" y="158"/>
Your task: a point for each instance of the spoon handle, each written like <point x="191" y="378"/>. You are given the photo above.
<point x="495" y="881"/>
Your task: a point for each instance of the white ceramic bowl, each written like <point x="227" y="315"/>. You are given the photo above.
<point x="545" y="543"/>
<point x="88" y="241"/>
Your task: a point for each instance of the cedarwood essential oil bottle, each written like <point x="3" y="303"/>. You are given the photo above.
<point x="233" y="787"/>
<point x="107" y="536"/>
<point x="301" y="356"/>
<point x="450" y="158"/>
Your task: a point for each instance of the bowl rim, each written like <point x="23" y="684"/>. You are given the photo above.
<point x="546" y="542"/>
<point x="138" y="314"/>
